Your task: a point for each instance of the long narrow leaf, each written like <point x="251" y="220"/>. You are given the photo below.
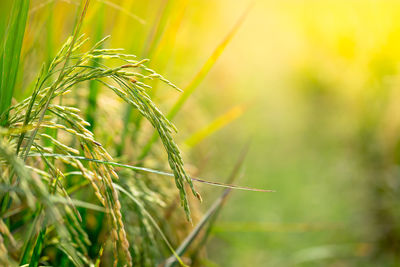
<point x="94" y="85"/>
<point x="10" y="55"/>
<point x="215" y="125"/>
<point x="137" y="168"/>
<point x="198" y="78"/>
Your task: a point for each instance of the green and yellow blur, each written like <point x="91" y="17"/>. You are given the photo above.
<point x="312" y="88"/>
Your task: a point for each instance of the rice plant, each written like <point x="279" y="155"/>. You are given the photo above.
<point x="37" y="189"/>
<point x="64" y="200"/>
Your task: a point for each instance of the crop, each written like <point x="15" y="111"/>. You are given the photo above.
<point x="64" y="199"/>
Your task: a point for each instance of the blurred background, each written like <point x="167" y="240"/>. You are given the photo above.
<point x="312" y="85"/>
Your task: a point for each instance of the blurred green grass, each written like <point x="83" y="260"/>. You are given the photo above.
<point x="316" y="75"/>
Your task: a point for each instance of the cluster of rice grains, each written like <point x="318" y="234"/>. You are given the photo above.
<point x="34" y="118"/>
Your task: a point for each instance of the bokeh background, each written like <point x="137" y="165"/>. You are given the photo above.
<point x="312" y="85"/>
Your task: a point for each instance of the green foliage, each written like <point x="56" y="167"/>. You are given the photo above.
<point x="37" y="113"/>
<point x="56" y="176"/>
<point x="10" y="50"/>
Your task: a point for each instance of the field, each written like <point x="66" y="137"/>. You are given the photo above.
<point x="118" y="117"/>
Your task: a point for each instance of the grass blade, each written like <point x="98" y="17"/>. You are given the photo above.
<point x="5" y="6"/>
<point x="148" y="170"/>
<point x="74" y="38"/>
<point x="212" y="212"/>
<point x="152" y="220"/>
<point x="123" y="10"/>
<point x="94" y="85"/>
<point x="35" y="257"/>
<point x="232" y="178"/>
<point x="188" y="91"/>
<point x="215" y="125"/>
<point x="10" y="55"/>
<point x="156" y="31"/>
